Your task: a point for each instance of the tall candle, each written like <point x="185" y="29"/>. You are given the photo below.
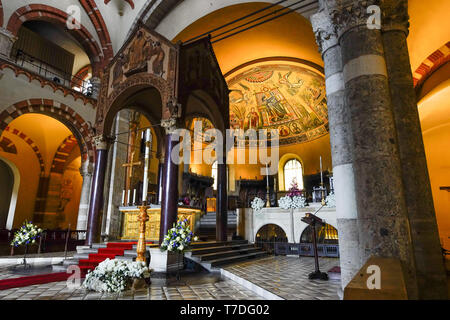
<point x="128" y="197"/>
<point x="134" y="196"/>
<point x="321" y="173"/>
<point x="123" y="198"/>
<point x="267" y="175"/>
<point x="147" y="157"/>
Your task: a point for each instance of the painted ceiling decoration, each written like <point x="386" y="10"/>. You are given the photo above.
<point x="283" y="95"/>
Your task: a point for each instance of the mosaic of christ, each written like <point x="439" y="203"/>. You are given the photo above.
<point x="285" y="97"/>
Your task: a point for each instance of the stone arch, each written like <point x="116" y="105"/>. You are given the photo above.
<point x="62" y="153"/>
<point x="59" y="111"/>
<point x="264" y="223"/>
<point x="6" y="145"/>
<point x="14" y="194"/>
<point x="281" y="163"/>
<point x="434" y="61"/>
<point x="102" y="31"/>
<point x="78" y="78"/>
<point x="130" y="2"/>
<point x="59" y="17"/>
<point x="108" y="107"/>
<point x="307" y="228"/>
<point x="30" y="142"/>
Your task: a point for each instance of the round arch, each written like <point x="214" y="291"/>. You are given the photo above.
<point x="282" y="162"/>
<point x="326" y="234"/>
<point x="59" y="17"/>
<point x="122" y="98"/>
<point x="58" y="111"/>
<point x="14" y="194"/>
<point x="263" y="223"/>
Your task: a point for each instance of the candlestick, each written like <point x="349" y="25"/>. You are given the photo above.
<point x="268" y="188"/>
<point x="123" y="198"/>
<point x="134" y="196"/>
<point x="321" y="173"/>
<point x="147" y="156"/>
<point x="128" y="197"/>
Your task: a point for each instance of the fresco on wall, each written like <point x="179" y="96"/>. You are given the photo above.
<point x="144" y="54"/>
<point x="283" y="96"/>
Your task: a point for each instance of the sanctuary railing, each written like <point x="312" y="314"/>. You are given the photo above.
<point x="300" y="249"/>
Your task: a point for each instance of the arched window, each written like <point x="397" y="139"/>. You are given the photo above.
<point x="293" y="171"/>
<point x="214" y="174"/>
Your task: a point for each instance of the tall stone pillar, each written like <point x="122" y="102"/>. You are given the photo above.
<point x="382" y="217"/>
<point x="86" y="172"/>
<point x="341" y="140"/>
<point x="222" y="202"/>
<point x="169" y="204"/>
<point x="98" y="183"/>
<point x="431" y="277"/>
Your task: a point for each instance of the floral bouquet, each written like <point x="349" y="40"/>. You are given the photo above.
<point x="179" y="238"/>
<point x="115" y="275"/>
<point x="293" y="199"/>
<point x="27" y="234"/>
<point x="257" y="204"/>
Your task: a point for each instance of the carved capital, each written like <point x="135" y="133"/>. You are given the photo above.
<point x="324" y="30"/>
<point x="102" y="142"/>
<point x="170" y="125"/>
<point x="174" y="108"/>
<point x="395" y="15"/>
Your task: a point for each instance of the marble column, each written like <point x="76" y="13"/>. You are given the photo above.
<point x="98" y="183"/>
<point x="7" y="40"/>
<point x="341" y="147"/>
<point x="160" y="181"/>
<point x="86" y="172"/>
<point x="431" y="277"/>
<point x="222" y="202"/>
<point x="382" y="217"/>
<point x="169" y="203"/>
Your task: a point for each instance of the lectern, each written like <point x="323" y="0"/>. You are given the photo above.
<point x="314" y="221"/>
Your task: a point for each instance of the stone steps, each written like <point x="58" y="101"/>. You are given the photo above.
<point x="212" y="255"/>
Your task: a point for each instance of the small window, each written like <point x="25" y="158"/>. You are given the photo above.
<point x="293" y="172"/>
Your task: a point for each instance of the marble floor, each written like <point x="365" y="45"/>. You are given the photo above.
<point x="287" y="277"/>
<point x="283" y="276"/>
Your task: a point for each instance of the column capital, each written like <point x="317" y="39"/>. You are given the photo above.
<point x="395" y="16"/>
<point x="102" y="142"/>
<point x="324" y="30"/>
<point x="170" y="124"/>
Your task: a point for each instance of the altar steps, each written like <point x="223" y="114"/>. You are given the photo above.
<point x="214" y="255"/>
<point x="207" y="228"/>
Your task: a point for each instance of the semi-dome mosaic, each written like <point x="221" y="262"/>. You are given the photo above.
<point x="285" y="96"/>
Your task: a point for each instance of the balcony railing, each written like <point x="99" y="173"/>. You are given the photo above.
<point x="51" y="73"/>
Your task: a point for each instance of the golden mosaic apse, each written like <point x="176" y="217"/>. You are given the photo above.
<point x="283" y="96"/>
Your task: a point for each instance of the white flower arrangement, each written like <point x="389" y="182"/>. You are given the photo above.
<point x="26" y="235"/>
<point x="178" y="238"/>
<point x="331" y="200"/>
<point x="257" y="204"/>
<point x="115" y="275"/>
<point x="288" y="202"/>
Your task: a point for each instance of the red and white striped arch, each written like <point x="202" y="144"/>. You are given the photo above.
<point x="431" y="64"/>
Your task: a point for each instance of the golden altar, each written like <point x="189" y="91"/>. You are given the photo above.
<point x="130" y="225"/>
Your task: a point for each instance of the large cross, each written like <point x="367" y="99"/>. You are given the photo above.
<point x="130" y="165"/>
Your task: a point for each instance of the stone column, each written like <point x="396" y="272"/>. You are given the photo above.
<point x="98" y="183"/>
<point x="431" y="277"/>
<point x="382" y="222"/>
<point x="222" y="202"/>
<point x="7" y="40"/>
<point x="341" y="146"/>
<point x="169" y="203"/>
<point x="86" y="172"/>
<point x="160" y="181"/>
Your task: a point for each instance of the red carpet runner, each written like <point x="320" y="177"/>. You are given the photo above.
<point x="112" y="250"/>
